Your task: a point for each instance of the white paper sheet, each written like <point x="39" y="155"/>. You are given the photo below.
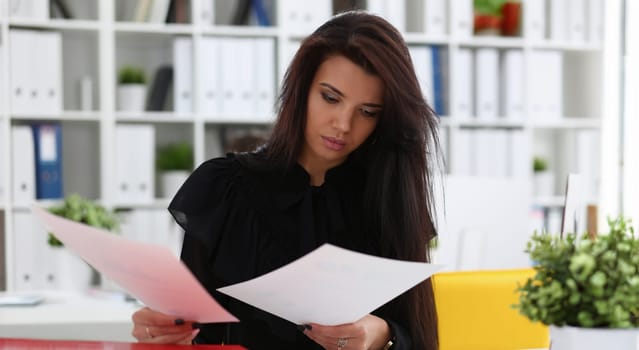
<point x="149" y="272"/>
<point x="330" y="286"/>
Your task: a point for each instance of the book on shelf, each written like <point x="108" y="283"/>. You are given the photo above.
<point x="47" y="140"/>
<point x="22" y="165"/>
<point x="60" y="9"/>
<point x="179" y="11"/>
<point x="162" y="82"/>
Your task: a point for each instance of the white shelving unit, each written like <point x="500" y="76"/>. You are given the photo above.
<point x="96" y="43"/>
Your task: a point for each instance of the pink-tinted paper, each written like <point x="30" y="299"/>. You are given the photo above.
<point x="149" y="272"/>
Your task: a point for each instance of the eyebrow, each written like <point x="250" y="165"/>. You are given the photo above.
<point x="337" y="91"/>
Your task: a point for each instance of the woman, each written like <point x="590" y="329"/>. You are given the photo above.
<point x="346" y="164"/>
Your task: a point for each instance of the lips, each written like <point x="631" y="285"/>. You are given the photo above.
<point x="333" y="143"/>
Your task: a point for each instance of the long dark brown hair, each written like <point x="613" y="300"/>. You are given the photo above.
<point x="397" y="155"/>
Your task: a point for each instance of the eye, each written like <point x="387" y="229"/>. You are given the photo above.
<point x="371" y="113"/>
<point x="329" y="98"/>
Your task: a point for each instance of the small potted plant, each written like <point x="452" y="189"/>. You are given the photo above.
<point x="585" y="288"/>
<point x="174" y="163"/>
<point x="131" y="89"/>
<point x="73" y="273"/>
<point x="543" y="178"/>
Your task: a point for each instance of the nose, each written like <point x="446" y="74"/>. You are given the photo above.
<point x="342" y="120"/>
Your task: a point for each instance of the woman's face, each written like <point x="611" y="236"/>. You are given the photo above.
<point x="344" y="104"/>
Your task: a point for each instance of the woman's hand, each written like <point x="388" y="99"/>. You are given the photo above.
<point x="370" y="332"/>
<point x="154" y="327"/>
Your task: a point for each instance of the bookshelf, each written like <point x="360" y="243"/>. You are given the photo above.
<point x="104" y="35"/>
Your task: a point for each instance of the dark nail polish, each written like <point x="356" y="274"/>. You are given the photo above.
<point x="179" y="322"/>
<point x="308" y="326"/>
<point x="301" y="327"/>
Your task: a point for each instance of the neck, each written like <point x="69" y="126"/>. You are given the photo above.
<point x="315" y="172"/>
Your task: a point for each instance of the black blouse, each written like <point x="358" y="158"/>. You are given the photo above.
<point x="241" y="222"/>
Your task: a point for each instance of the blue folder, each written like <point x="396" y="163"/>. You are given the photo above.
<point x="47" y="139"/>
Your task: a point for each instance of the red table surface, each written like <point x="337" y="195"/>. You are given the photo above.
<point x="40" y="344"/>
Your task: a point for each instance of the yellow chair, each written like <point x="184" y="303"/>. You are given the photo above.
<point x="475" y="311"/>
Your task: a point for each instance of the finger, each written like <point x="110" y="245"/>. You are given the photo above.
<point x="170" y="338"/>
<point x="341" y="331"/>
<point x="148" y="316"/>
<point x="166" y="330"/>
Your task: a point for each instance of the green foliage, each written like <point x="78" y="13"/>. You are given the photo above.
<point x="175" y="156"/>
<point x="85" y="211"/>
<point x="582" y="282"/>
<point x="131" y="75"/>
<point x="539" y="164"/>
<point x="489" y="7"/>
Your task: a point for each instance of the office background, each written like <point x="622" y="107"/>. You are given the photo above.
<point x="550" y="87"/>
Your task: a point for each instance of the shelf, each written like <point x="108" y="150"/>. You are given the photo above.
<point x="242" y="31"/>
<point x="495" y="123"/>
<point x="423" y="39"/>
<point x="568" y="123"/>
<point x="57" y="24"/>
<point x="566" y="46"/>
<point x="158" y="203"/>
<point x="153" y="117"/>
<point x="549" y="201"/>
<point x="493" y="42"/>
<point x="153" y="28"/>
<point x="236" y="119"/>
<point x="64" y="116"/>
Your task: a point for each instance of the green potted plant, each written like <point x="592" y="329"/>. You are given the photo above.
<point x="131" y="89"/>
<point x="586" y="289"/>
<point x="543" y="178"/>
<point x="73" y="273"/>
<point x="174" y="163"/>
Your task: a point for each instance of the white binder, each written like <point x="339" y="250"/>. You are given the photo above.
<point x="143" y="157"/>
<point x="207" y="14"/>
<point x="490" y="155"/>
<point x="210" y="72"/>
<point x="183" y="75"/>
<point x="461" y="18"/>
<point x="34" y="265"/>
<point x="595" y="23"/>
<point x="462" y="153"/>
<point x="577" y="21"/>
<point x="558" y="26"/>
<point x="21" y="66"/>
<point x="264" y="58"/>
<point x="29" y="9"/>
<point x="22" y="165"/>
<point x="535" y="19"/>
<point x="518" y="150"/>
<point x="3" y="79"/>
<point x="422" y="57"/>
<point x="48" y="73"/>
<point x="237" y="77"/>
<point x="3" y="188"/>
<point x="546" y="85"/>
<point x="512" y="84"/>
<point x="435" y="19"/>
<point x="462" y="74"/>
<point x="486" y="83"/>
<point x="303" y="17"/>
<point x="135" y="164"/>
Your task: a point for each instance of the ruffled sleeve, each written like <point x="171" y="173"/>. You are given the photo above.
<point x="212" y="208"/>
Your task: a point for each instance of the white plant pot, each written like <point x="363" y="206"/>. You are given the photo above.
<point x="544" y="183"/>
<point x="575" y="338"/>
<point x="72" y="273"/>
<point x="170" y="182"/>
<point x="131" y="97"/>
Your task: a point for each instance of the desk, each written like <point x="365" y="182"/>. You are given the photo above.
<point x="70" y="316"/>
<point x="33" y="344"/>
